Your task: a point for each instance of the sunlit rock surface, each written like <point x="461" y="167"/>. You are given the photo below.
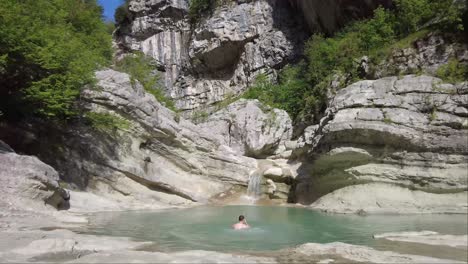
<point x="26" y="183"/>
<point x="250" y="128"/>
<point x="406" y="133"/>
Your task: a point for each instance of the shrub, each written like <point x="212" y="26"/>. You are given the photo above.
<point x="198" y="8"/>
<point x="453" y="71"/>
<point x="122" y="14"/>
<point x="140" y="68"/>
<point x="106" y="122"/>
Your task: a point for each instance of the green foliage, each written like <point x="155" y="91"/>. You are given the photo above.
<point x="200" y="116"/>
<point x="376" y="32"/>
<point x="453" y="71"/>
<point x="287" y="94"/>
<point x="140" y="68"/>
<point x="229" y="99"/>
<point x="412" y="14"/>
<point x="122" y="14"/>
<point x="198" y="8"/>
<point x="433" y="115"/>
<point x="106" y="122"/>
<point x="49" y="49"/>
<point x="110" y="27"/>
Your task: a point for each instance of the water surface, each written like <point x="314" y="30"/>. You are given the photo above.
<point x="209" y="228"/>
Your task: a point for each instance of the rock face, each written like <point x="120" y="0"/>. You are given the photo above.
<point x="27" y="183"/>
<point x="424" y="55"/>
<point x="220" y="55"/>
<point x="160" y="152"/>
<point x="250" y="128"/>
<point x="401" y="133"/>
<point x="157" y="159"/>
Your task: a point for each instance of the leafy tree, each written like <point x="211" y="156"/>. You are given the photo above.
<point x="378" y="31"/>
<point x="49" y="50"/>
<point x="122" y="14"/>
<point x="412" y="14"/>
<point x="449" y="14"/>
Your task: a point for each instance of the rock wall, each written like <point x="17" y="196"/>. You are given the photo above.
<point x="220" y="55"/>
<point x="250" y="128"/>
<point x="159" y="158"/>
<point x="406" y="133"/>
<point x="424" y="55"/>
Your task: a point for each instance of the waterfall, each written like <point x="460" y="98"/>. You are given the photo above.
<point x="255" y="182"/>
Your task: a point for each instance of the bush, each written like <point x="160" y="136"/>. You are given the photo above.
<point x="199" y="7"/>
<point x="140" y="68"/>
<point x="453" y="71"/>
<point x="122" y="14"/>
<point x="106" y="122"/>
<point x="287" y="94"/>
<point x="49" y="50"/>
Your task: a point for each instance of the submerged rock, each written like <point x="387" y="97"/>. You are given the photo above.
<point x="428" y="238"/>
<point x="354" y="253"/>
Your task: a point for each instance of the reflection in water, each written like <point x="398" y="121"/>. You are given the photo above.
<point x="208" y="228"/>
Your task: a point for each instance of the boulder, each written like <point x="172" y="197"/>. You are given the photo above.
<point x="277" y="174"/>
<point x="250" y="128"/>
<point x="27" y="183"/>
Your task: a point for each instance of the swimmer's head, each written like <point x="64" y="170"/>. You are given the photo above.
<point x="241" y="218"/>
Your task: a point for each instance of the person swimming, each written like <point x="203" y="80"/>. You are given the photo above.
<point x="242" y="224"/>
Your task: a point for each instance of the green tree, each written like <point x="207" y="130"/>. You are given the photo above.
<point x="378" y="31"/>
<point x="412" y="14"/>
<point x="49" y="50"/>
<point x="122" y="14"/>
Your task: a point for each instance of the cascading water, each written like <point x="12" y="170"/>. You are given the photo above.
<point x="254" y="188"/>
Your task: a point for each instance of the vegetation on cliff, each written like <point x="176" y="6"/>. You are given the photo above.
<point x="301" y="89"/>
<point x="142" y="69"/>
<point x="49" y="50"/>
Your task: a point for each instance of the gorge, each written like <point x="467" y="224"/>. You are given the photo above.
<point x="384" y="139"/>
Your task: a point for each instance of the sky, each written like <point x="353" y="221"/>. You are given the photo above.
<point x="109" y="7"/>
